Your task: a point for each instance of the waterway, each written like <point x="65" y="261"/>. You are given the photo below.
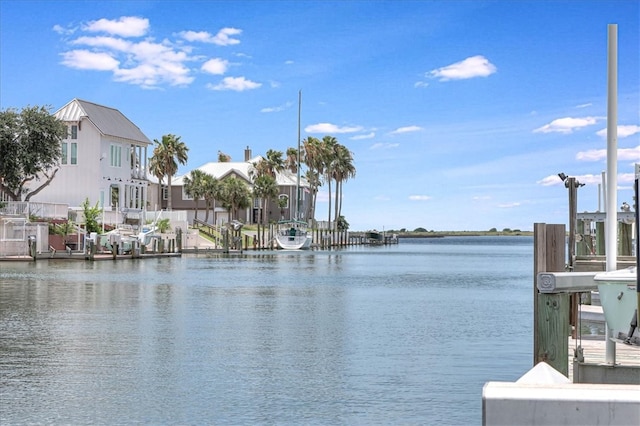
<point x="401" y="334"/>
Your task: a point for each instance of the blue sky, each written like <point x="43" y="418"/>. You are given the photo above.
<point x="459" y="114"/>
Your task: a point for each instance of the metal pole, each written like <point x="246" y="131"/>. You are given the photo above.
<point x="572" y="185"/>
<point x="612" y="168"/>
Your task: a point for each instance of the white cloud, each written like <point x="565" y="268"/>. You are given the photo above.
<point x="126" y="26"/>
<point x="278" y="108"/>
<point x="588" y="179"/>
<point x="475" y="66"/>
<point x="625" y="154"/>
<point x="360" y="137"/>
<point x="421" y="84"/>
<point x="63" y="31"/>
<point x="509" y="205"/>
<point x="237" y="84"/>
<point x="406" y="129"/>
<point x="289" y="62"/>
<point x="222" y="38"/>
<point x="145" y="62"/>
<point x="331" y="128"/>
<point x="419" y="197"/>
<point x="86" y="60"/>
<point x="215" y="66"/>
<point x="584" y="105"/>
<point x="567" y="125"/>
<point x="113" y="43"/>
<point x="623" y="131"/>
<point x="381" y="145"/>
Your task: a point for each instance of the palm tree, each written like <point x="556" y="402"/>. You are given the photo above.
<point x="155" y="168"/>
<point x="266" y="189"/>
<point x="312" y="158"/>
<point x="166" y="156"/>
<point x="235" y="195"/>
<point x="328" y="154"/>
<point x="343" y="171"/>
<point x="211" y="192"/>
<point x="291" y="162"/>
<point x="194" y="187"/>
<point x="313" y="178"/>
<point x="275" y="163"/>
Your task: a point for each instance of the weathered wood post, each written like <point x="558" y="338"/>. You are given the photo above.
<point x="600" y="246"/>
<point x="550" y="311"/>
<point x="624" y="239"/>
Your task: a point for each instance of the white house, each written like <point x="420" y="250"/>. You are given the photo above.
<point x="104" y="159"/>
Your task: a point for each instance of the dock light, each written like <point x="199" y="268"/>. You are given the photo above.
<point x="562" y="176"/>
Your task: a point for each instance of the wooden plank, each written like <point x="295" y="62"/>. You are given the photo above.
<point x="553" y="329"/>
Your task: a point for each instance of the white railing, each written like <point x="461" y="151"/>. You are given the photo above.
<point x="41" y="210"/>
<point x="173" y="215"/>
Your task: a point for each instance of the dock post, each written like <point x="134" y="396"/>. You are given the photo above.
<point x="549" y="256"/>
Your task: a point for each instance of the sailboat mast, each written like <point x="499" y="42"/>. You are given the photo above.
<point x="298" y="168"/>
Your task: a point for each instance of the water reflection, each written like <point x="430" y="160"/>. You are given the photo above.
<point x="353" y="336"/>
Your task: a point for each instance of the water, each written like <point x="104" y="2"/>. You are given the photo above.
<point x="404" y="334"/>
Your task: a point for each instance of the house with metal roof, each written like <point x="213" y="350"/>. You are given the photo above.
<point x="104" y="159"/>
<point x="286" y="181"/>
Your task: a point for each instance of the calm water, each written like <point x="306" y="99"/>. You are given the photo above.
<point x="404" y="334"/>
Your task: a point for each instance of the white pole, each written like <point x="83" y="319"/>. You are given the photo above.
<point x="612" y="150"/>
<point x="612" y="169"/>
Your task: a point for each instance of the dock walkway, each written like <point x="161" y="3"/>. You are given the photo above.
<point x="594" y="353"/>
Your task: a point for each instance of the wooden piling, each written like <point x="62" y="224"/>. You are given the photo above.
<point x="549" y="256"/>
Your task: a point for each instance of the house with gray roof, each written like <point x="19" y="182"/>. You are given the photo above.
<point x="104" y="159"/>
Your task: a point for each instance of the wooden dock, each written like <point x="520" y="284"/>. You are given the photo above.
<point x="593" y="351"/>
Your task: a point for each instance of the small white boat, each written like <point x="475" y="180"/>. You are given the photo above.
<point x="293" y="235"/>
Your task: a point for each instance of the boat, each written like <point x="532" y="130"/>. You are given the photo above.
<point x="374" y="237"/>
<point x="618" y="298"/>
<point x="293" y="234"/>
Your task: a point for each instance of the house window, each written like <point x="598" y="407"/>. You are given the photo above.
<point x="115" y="196"/>
<point x="74" y="132"/>
<point x="165" y="192"/>
<point x="186" y="196"/>
<point x="283" y="201"/>
<point x="115" y="156"/>
<point x="74" y="153"/>
<point x="257" y="203"/>
<point x="63" y="158"/>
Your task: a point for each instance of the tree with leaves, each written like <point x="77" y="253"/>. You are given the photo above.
<point x="30" y="150"/>
<point x="343" y="170"/>
<point x="211" y="191"/>
<point x="235" y="195"/>
<point x="91" y="215"/>
<point x="312" y="157"/>
<point x="266" y="189"/>
<point x="166" y="155"/>
<point x="194" y="186"/>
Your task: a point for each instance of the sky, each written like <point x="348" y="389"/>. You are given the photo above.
<point x="459" y="114"/>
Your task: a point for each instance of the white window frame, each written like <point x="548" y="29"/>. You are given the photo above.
<point x="64" y="153"/>
<point x="284" y="196"/>
<point x="74" y="153"/>
<point x="115" y="155"/>
<point x="185" y="196"/>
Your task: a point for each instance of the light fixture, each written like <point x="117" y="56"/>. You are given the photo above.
<point x="562" y="176"/>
